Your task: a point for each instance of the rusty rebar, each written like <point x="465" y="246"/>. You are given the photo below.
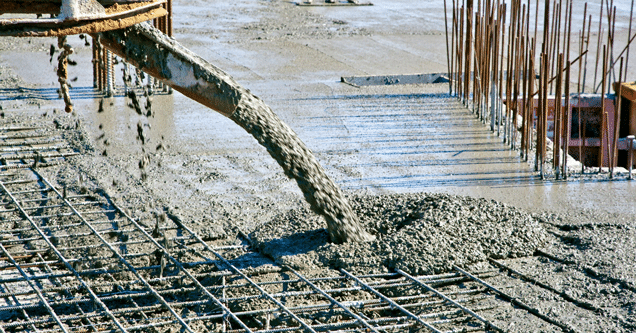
<point x="449" y="68"/>
<point x="598" y="45"/>
<point x="558" y="112"/>
<point x="630" y="155"/>
<point x="603" y="114"/>
<point x="516" y="302"/>
<point x="629" y="33"/>
<point x="566" y="121"/>
<point x="617" y="118"/>
<point x="579" y="88"/>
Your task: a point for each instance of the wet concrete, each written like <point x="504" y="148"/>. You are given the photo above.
<point x="419" y="233"/>
<point x="382" y="139"/>
<point x="374" y="140"/>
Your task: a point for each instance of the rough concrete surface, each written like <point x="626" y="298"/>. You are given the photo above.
<point x="392" y="146"/>
<point x="418" y="233"/>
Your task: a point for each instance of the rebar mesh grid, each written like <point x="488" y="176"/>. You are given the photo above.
<point x="28" y="146"/>
<point x="75" y="262"/>
<point x="71" y="260"/>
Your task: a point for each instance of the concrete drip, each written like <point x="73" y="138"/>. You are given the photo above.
<point x="62" y="71"/>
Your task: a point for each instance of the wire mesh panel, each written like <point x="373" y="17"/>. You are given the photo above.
<point x="26" y="146"/>
<point x="73" y="261"/>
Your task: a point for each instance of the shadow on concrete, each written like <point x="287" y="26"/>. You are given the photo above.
<point x="298" y="243"/>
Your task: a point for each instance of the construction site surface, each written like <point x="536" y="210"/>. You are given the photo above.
<point x="145" y="210"/>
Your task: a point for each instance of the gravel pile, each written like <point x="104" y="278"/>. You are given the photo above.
<point x="420" y="233"/>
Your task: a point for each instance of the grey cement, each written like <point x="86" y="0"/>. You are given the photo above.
<point x="418" y="233"/>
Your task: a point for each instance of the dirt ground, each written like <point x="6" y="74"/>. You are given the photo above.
<point x="400" y="148"/>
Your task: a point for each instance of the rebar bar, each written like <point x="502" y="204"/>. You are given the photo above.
<point x="332" y="300"/>
<point x="190" y="276"/>
<point x="34" y="287"/>
<point x="450" y="300"/>
<point x="617" y="118"/>
<point x="630" y="155"/>
<point x="255" y="285"/>
<point x="516" y="302"/>
<point x="580" y="303"/>
<point x="390" y="301"/>
<point x="481" y="28"/>
<point x="61" y="257"/>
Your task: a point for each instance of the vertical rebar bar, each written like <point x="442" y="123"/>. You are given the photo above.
<point x="566" y="112"/>
<point x="598" y="45"/>
<point x="95" y="63"/>
<point x="448" y="65"/>
<point x="110" y="77"/>
<point x="630" y="155"/>
<point x="544" y="116"/>
<point x="558" y="112"/>
<point x="611" y="47"/>
<point x="170" y="18"/>
<point x="452" y="77"/>
<point x="525" y="106"/>
<point x="629" y="34"/>
<point x="552" y="41"/>
<point x="501" y="70"/>
<point x="587" y="48"/>
<point x="566" y="121"/>
<point x="603" y="113"/>
<point x="579" y="88"/>
<point x="468" y="50"/>
<point x="617" y="116"/>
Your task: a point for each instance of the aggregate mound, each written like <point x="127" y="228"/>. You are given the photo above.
<point x="419" y="233"/>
